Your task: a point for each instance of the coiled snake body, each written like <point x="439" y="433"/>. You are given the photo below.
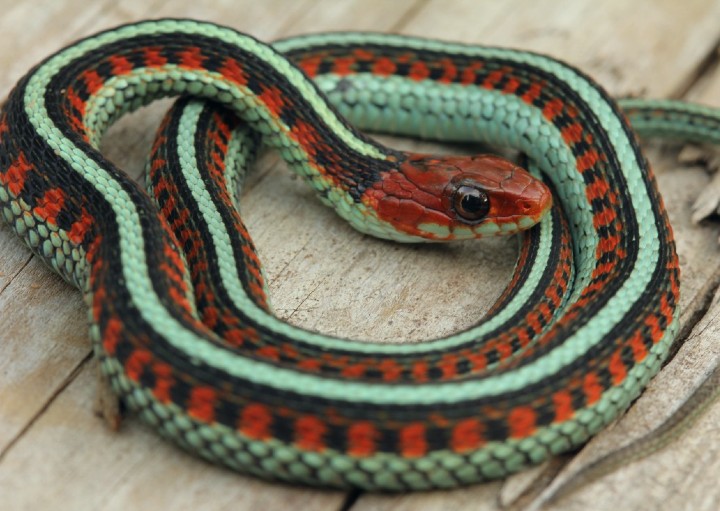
<point x="178" y="312"/>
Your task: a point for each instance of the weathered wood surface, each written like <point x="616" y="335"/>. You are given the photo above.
<point x="56" y="454"/>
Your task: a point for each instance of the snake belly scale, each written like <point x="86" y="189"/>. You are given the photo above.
<point x="261" y="396"/>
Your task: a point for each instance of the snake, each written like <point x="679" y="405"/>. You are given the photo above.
<point x="179" y="315"/>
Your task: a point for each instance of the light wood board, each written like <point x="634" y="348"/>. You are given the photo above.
<point x="55" y="453"/>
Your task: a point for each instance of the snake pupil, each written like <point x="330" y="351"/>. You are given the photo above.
<point x="471" y="203"/>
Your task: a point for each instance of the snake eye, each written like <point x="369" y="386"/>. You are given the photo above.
<point x="471" y="203"/>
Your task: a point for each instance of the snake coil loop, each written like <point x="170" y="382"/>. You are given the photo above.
<point x="178" y="312"/>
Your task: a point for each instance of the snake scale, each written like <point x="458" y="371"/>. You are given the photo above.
<point x="178" y="311"/>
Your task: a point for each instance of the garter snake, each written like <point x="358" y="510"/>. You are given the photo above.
<point x="177" y="307"/>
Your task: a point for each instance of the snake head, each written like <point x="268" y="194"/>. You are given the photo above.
<point x="441" y="198"/>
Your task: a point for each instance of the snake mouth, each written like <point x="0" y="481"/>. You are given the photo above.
<point x="507" y="226"/>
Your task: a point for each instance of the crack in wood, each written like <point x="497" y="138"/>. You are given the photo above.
<point x="351" y="498"/>
<point x="46" y="405"/>
<point x="15" y="275"/>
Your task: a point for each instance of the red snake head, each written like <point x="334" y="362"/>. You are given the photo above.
<point x="458" y="197"/>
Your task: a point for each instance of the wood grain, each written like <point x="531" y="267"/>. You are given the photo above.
<point x="54" y="452"/>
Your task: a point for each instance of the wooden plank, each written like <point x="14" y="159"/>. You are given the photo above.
<point x="317" y="280"/>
